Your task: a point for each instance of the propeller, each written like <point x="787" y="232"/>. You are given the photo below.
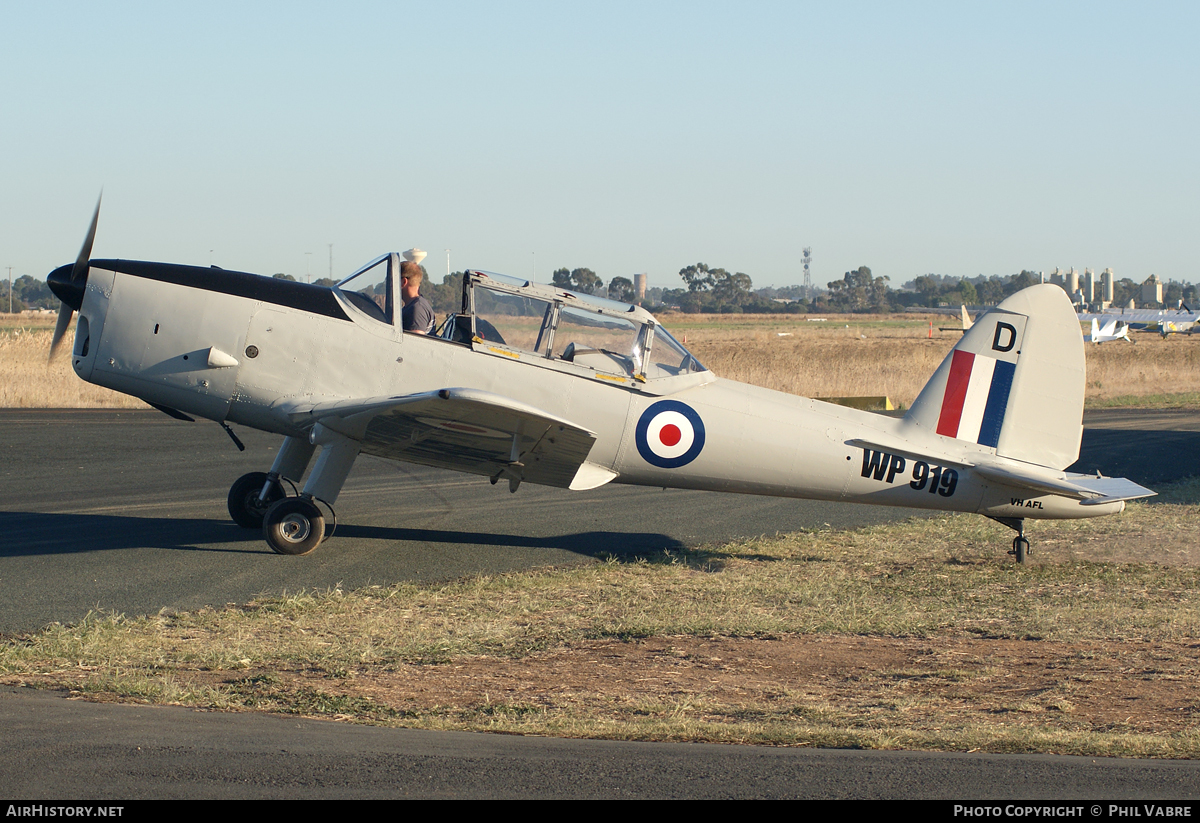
<point x="69" y="285"/>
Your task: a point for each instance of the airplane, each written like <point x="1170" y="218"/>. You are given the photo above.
<point x="1180" y="320"/>
<point x="1169" y="327"/>
<point x="967" y="322"/>
<point x="537" y="384"/>
<point x="1113" y="330"/>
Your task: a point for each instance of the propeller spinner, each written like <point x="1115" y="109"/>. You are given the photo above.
<point x="69" y="282"/>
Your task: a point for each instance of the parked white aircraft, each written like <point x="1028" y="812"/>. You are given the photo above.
<point x="1165" y="322"/>
<point x="1113" y="330"/>
<point x="530" y="383"/>
<point x="967" y="322"/>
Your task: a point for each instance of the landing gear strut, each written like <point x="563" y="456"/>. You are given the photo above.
<point x="294" y="525"/>
<point x="1020" y="549"/>
<point x="253" y="494"/>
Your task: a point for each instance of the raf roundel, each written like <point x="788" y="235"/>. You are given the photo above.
<point x="669" y="434"/>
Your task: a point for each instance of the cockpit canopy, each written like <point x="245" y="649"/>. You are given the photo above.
<point x="604" y="335"/>
<point x="509" y="314"/>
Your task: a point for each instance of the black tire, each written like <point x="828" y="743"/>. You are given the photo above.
<point x="243" y="503"/>
<point x="294" y="525"/>
<point x="1020" y="549"/>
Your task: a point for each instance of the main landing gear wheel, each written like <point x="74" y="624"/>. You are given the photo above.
<point x="243" y="503"/>
<point x="294" y="525"/>
<point x="1020" y="549"/>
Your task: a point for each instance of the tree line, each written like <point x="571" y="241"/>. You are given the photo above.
<point x="717" y="290"/>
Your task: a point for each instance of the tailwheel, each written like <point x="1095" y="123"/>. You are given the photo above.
<point x="244" y="504"/>
<point x="1020" y="549"/>
<point x="294" y="525"/>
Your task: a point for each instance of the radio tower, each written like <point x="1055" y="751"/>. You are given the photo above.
<point x="808" y="295"/>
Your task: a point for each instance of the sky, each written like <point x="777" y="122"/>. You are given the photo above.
<point x="949" y="138"/>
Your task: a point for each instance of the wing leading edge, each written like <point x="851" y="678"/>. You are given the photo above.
<point x="469" y="431"/>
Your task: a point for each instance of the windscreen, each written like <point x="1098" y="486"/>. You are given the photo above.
<point x="370" y="290"/>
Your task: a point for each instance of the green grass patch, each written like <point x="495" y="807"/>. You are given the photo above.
<point x="1183" y="400"/>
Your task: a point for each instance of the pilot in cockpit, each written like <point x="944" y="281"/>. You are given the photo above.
<point x="417" y="315"/>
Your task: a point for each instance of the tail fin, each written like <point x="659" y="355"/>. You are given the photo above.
<point x="1014" y="383"/>
<point x="966" y="318"/>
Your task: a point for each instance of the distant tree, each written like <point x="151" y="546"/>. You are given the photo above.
<point x="731" y="288"/>
<point x="32" y="292"/>
<point x="967" y="290"/>
<point x="446" y="296"/>
<point x="17" y="304"/>
<point x="580" y="280"/>
<point x="586" y="281"/>
<point x="1021" y="281"/>
<point x="697" y="277"/>
<point x="562" y="278"/>
<point x="859" y="291"/>
<point x="929" y="288"/>
<point x="693" y="302"/>
<point x="621" y="288"/>
<point x="281" y="276"/>
<point x="990" y="291"/>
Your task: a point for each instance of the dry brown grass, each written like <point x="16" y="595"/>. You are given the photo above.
<point x="846" y="355"/>
<point x="27" y="380"/>
<point x="889" y="355"/>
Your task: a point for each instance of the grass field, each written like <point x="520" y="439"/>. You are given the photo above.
<point x="852" y="355"/>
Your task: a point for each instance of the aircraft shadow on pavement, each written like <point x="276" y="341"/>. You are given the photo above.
<point x="592" y="544"/>
<point x="37" y="533"/>
<point x="34" y="533"/>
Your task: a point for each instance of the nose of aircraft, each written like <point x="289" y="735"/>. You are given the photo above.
<point x="65" y="289"/>
<point x="69" y="282"/>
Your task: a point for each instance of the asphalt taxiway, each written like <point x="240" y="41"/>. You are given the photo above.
<point x="57" y="748"/>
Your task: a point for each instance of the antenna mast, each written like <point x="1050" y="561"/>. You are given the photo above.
<point x="808" y="295"/>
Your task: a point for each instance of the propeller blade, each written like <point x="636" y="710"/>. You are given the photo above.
<point x="85" y="253"/>
<point x="60" y="328"/>
<point x="79" y="272"/>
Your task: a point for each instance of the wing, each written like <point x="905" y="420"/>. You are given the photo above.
<point x="469" y="431"/>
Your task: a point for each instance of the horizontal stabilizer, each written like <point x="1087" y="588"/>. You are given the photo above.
<point x="1111" y="489"/>
<point x="1092" y="490"/>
